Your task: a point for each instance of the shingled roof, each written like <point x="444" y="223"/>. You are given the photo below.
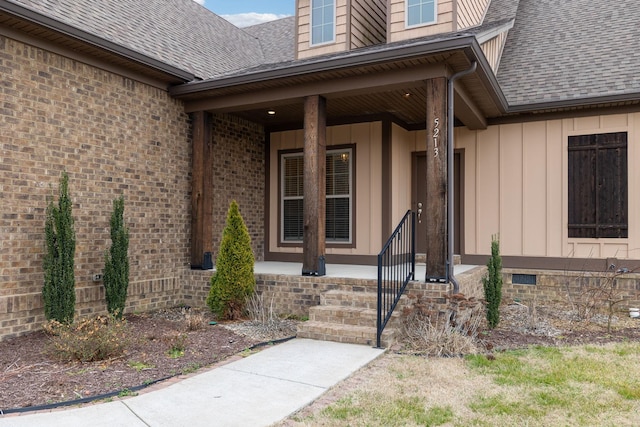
<point x="277" y="39"/>
<point x="180" y="33"/>
<point x="572" y="49"/>
<point x="557" y="51"/>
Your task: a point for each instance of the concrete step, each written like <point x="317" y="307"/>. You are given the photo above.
<point x="352" y="334"/>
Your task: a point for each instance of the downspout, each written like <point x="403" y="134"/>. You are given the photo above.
<point x="450" y="187"/>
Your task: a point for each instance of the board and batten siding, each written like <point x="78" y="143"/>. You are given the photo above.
<point x="303" y="39"/>
<point x="368" y="23"/>
<point x="493" y="50"/>
<point x="516" y="186"/>
<point x="470" y="13"/>
<point x="397" y="29"/>
<point x="367" y="138"/>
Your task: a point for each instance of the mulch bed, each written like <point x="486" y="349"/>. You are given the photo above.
<point x="31" y="375"/>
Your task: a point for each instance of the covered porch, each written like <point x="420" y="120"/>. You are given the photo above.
<point x="370" y="114"/>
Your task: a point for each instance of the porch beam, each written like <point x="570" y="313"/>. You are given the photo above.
<point x="436" y="188"/>
<point x="345" y="86"/>
<point x="315" y="148"/>
<point x="201" y="189"/>
<point x="467" y="111"/>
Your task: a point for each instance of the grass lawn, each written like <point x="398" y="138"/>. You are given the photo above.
<point x="542" y="386"/>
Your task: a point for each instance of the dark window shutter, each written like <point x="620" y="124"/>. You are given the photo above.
<point x="598" y="199"/>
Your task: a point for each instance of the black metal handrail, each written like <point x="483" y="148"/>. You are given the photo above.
<point x="396" y="266"/>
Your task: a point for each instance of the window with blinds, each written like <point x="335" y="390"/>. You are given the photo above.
<point x="338" y="192"/>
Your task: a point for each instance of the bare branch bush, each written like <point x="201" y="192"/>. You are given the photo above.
<point x="597" y="294"/>
<point x="261" y="311"/>
<point x="193" y="321"/>
<point x="451" y="332"/>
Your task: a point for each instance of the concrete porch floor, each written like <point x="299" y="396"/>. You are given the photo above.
<point x="341" y="270"/>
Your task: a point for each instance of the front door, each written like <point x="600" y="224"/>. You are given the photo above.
<point x="419" y="184"/>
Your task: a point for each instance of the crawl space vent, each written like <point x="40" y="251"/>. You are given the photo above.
<point x="523" y="279"/>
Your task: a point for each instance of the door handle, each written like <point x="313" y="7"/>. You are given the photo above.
<point x="419" y="212"/>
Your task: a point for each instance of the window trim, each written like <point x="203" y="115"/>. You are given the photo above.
<point x="598" y="226"/>
<point x="335" y="18"/>
<point x="422" y="24"/>
<point x="351" y="244"/>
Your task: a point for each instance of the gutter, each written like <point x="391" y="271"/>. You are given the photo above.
<point x="450" y="176"/>
<point x="572" y="103"/>
<point x="93" y="40"/>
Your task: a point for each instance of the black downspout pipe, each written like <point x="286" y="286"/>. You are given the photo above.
<point x="450" y="186"/>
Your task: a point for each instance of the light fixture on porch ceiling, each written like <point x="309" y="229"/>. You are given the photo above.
<point x="271" y="112"/>
<point x="406" y="95"/>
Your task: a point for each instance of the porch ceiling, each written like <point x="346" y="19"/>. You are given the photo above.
<point x="394" y="88"/>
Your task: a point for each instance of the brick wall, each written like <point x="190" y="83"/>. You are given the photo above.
<point x="567" y="288"/>
<point x="113" y="136"/>
<point x="239" y="173"/>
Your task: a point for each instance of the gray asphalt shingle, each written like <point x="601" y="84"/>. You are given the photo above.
<point x="558" y="50"/>
<point x="277" y="39"/>
<point x="564" y="50"/>
<point x="181" y="33"/>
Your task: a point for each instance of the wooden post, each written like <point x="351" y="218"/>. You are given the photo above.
<point x="435" y="213"/>
<point x="315" y="129"/>
<point x="201" y="189"/>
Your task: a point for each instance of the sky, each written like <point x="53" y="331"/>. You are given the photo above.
<point x="243" y="13"/>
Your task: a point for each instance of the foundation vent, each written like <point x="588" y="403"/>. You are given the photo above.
<point x="523" y="279"/>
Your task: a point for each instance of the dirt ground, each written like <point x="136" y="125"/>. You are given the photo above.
<point x="31" y="376"/>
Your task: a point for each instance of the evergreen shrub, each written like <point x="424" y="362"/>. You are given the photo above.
<point x="116" y="266"/>
<point x="233" y="282"/>
<point x="493" y="284"/>
<point x="58" y="291"/>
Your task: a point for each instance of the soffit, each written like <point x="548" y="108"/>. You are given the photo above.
<point x="365" y="90"/>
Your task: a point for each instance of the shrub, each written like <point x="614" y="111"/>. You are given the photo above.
<point x="493" y="284"/>
<point x="58" y="291"/>
<point x="451" y="332"/>
<point x="88" y="340"/>
<point x="264" y="318"/>
<point x="233" y="281"/>
<point x="116" y="266"/>
<point x="193" y="321"/>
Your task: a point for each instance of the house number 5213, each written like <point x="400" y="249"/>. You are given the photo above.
<point x="436" y="135"/>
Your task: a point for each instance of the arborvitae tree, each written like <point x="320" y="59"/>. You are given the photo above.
<point x="116" y="265"/>
<point x="59" y="291"/>
<point x="493" y="284"/>
<point x="233" y="281"/>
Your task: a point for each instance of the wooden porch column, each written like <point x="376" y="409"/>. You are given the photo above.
<point x="435" y="212"/>
<point x="315" y="148"/>
<point x="201" y="190"/>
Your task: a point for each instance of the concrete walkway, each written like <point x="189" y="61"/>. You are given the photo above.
<point x="258" y="390"/>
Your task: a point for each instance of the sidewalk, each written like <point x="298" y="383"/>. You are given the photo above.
<point x="258" y="390"/>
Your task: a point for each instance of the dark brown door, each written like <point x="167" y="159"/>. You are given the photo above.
<point x="419" y="190"/>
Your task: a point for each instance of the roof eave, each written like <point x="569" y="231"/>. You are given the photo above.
<point x="564" y="104"/>
<point x="93" y="40"/>
<point x="466" y="43"/>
